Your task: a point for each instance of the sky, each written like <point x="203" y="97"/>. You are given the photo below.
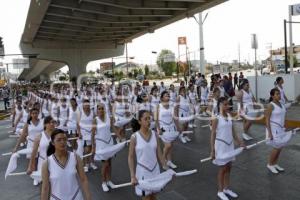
<point x="227" y="26"/>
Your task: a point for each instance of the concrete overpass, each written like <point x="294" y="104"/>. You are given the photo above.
<point x="75" y="32"/>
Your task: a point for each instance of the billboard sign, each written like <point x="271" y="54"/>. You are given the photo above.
<point x="20" y="63"/>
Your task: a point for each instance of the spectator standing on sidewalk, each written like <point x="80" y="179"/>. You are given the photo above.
<point x="235" y="80"/>
<point x="5" y="94"/>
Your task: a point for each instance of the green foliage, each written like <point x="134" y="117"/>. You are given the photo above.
<point x="147" y="70"/>
<point x="167" y="67"/>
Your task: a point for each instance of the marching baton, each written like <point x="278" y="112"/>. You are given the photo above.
<point x="87" y="155"/>
<point x="205" y="159"/>
<point x="187" y="132"/>
<point x="7" y="154"/>
<point x="296" y="129"/>
<point x="17" y="174"/>
<point x="206" y="125"/>
<point x="13" y="136"/>
<point x="128" y="129"/>
<point x="256" y="143"/>
<point x="122" y="185"/>
<point x="74" y="138"/>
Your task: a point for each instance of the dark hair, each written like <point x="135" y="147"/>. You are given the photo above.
<point x="47" y="120"/>
<point x="272" y="93"/>
<point x="221" y="100"/>
<point x="51" y="148"/>
<point x="74" y="99"/>
<point x="163" y="93"/>
<point x="135" y="122"/>
<point x="181" y="88"/>
<point x="216" y="90"/>
<point x="30" y="118"/>
<point x="278" y="79"/>
<point x="243" y="82"/>
<point x="152" y="90"/>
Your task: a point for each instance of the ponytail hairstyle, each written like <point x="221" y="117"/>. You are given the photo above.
<point x="135" y="122"/>
<point x="47" y="120"/>
<point x="30" y="118"/>
<point x="220" y="101"/>
<point x="272" y="93"/>
<point x="278" y="79"/>
<point x="51" y="148"/>
<point x="243" y="83"/>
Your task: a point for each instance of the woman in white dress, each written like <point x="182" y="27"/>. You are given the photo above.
<point x="247" y="102"/>
<point x="17" y="114"/>
<point x="222" y="142"/>
<point x="121" y="113"/>
<point x="40" y="147"/>
<point x="63" y="114"/>
<point x="62" y="173"/>
<point x="84" y="128"/>
<point x="167" y="125"/>
<point x="173" y="94"/>
<point x="73" y="113"/>
<point x="182" y="109"/>
<point x="33" y="128"/>
<point x="275" y="132"/>
<point x="145" y="149"/>
<point x="154" y="98"/>
<point x="101" y="139"/>
<point x="278" y="83"/>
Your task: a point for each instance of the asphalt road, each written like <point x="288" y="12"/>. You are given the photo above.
<point x="249" y="178"/>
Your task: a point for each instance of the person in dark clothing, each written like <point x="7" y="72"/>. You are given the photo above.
<point x="235" y="80"/>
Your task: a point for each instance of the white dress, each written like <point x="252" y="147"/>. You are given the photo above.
<point x="45" y="107"/>
<point x="120" y="114"/>
<point x="43" y="146"/>
<point x="184" y="106"/>
<point x="173" y="96"/>
<point x="54" y="111"/>
<point x="166" y="123"/>
<point x="277" y="121"/>
<point x="72" y="120"/>
<point x="86" y="123"/>
<point x="154" y="102"/>
<point x="33" y="132"/>
<point x="20" y="124"/>
<point x="224" y="141"/>
<point x="103" y="137"/>
<point x="146" y="157"/>
<point x="63" y="179"/>
<point x="63" y="117"/>
<point x="204" y="95"/>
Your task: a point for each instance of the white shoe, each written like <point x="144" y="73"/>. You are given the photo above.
<point x="246" y="137"/>
<point x="194" y="126"/>
<point x="272" y="169"/>
<point x="35" y="182"/>
<point x="93" y="166"/>
<point x="190" y="126"/>
<point x="279" y="169"/>
<point x="86" y="169"/>
<point x="187" y="138"/>
<point x="110" y="184"/>
<point x="222" y="196"/>
<point x="171" y="164"/>
<point x="104" y="187"/>
<point x="230" y="193"/>
<point x="182" y="139"/>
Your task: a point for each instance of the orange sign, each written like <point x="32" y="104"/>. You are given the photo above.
<point x="181" y="40"/>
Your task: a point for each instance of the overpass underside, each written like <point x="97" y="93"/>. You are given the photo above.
<point x="76" y="32"/>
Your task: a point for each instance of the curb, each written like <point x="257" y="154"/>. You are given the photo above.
<point x="3" y="116"/>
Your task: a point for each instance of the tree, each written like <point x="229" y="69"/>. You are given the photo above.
<point x="140" y="71"/>
<point x="147" y="70"/>
<point x="167" y="67"/>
